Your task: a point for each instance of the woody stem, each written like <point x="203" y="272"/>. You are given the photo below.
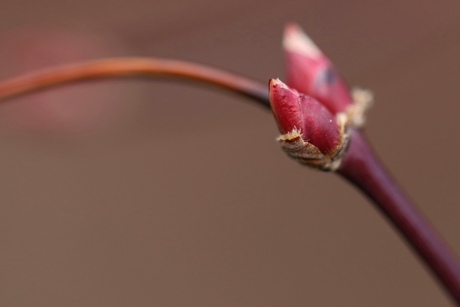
<point x="133" y="67"/>
<point x="360" y="165"/>
<point x="362" y="168"/>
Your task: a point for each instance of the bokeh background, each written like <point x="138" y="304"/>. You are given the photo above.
<point x="157" y="193"/>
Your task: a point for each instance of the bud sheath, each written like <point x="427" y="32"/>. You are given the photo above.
<point x="311" y="72"/>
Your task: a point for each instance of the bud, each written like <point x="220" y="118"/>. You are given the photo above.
<point x="309" y="71"/>
<point x="310" y="132"/>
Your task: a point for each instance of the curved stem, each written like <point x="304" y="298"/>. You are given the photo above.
<point x="362" y="168"/>
<point x="133" y="67"/>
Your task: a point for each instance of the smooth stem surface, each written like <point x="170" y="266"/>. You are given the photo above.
<point x="362" y="168"/>
<point x="133" y="67"/>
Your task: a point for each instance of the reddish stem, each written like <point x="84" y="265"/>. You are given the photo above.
<point x="363" y="169"/>
<point x="133" y="67"/>
<point x="360" y="165"/>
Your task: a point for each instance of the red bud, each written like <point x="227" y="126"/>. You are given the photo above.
<point x="311" y="72"/>
<point x="303" y="114"/>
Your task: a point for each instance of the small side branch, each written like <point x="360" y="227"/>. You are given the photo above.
<point x="133" y="67"/>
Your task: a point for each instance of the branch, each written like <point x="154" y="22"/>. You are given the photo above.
<point x="133" y="67"/>
<point x="361" y="167"/>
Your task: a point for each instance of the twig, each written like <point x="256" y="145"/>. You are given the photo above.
<point x="360" y="165"/>
<point x="132" y="67"/>
<point x="362" y="168"/>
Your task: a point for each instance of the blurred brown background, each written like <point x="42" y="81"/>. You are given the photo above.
<point x="142" y="193"/>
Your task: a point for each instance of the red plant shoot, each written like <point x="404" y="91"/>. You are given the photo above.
<point x="310" y="132"/>
<point x="294" y="111"/>
<point x="317" y="117"/>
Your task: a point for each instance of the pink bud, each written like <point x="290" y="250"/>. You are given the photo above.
<point x="301" y="113"/>
<point x="311" y="72"/>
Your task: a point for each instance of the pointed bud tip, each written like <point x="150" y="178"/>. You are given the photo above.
<point x="285" y="105"/>
<point x="281" y="93"/>
<point x="295" y="40"/>
<point x="277" y="83"/>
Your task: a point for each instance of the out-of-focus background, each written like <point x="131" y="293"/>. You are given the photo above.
<point x="157" y="193"/>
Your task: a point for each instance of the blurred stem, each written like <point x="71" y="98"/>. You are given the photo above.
<point x="360" y="165"/>
<point x="362" y="168"/>
<point x="133" y="67"/>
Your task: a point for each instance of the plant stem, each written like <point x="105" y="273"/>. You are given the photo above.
<point x="360" y="165"/>
<point x="133" y="67"/>
<point x="362" y="168"/>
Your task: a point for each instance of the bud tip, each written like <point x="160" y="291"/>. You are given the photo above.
<point x="295" y="40"/>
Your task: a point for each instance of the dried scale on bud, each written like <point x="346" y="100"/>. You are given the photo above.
<point x="311" y="134"/>
<point x="311" y="72"/>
